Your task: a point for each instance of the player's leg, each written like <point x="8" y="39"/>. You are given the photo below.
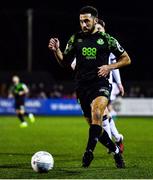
<point x="107" y="142"/>
<point x="104" y="137"/>
<point x="94" y="129"/>
<point x="106" y="126"/>
<point x="110" y="128"/>
<point x="114" y="92"/>
<point x="112" y="112"/>
<point x="30" y="116"/>
<point x="89" y="120"/>
<point x="118" y="137"/>
<point x="112" y="115"/>
<point x="105" y="123"/>
<point x="20" y="114"/>
<point x="19" y="108"/>
<point x="86" y="110"/>
<point x="88" y="155"/>
<point x="114" y="130"/>
<point x="97" y="109"/>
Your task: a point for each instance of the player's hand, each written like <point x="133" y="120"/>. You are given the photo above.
<point x="103" y="70"/>
<point x="54" y="44"/>
<point x="21" y="93"/>
<point x="121" y="88"/>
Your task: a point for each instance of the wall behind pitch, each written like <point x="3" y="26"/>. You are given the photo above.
<point x="134" y="106"/>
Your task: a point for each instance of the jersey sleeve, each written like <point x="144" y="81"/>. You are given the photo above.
<point x="114" y="46"/>
<point x="69" y="52"/>
<point x="25" y="87"/>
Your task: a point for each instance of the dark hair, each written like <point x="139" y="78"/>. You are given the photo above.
<point x="101" y="22"/>
<point x="89" y="9"/>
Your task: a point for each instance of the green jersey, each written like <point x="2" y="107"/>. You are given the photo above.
<point x="91" y="51"/>
<point x="15" y="89"/>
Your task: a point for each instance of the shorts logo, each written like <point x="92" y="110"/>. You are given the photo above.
<point x="100" y="41"/>
<point x="105" y="91"/>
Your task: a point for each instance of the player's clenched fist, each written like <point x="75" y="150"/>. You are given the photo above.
<point x="53" y="44"/>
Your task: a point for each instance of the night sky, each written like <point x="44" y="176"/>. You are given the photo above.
<point x="131" y="24"/>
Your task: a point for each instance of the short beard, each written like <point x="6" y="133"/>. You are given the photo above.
<point x="90" y="32"/>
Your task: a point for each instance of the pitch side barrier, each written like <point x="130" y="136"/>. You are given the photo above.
<point x="43" y="106"/>
<point x="124" y="106"/>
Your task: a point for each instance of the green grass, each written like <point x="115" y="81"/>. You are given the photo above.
<point x="65" y="138"/>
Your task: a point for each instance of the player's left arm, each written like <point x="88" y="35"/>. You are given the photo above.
<point x="122" y="60"/>
<point x="24" y="91"/>
<point x="122" y="57"/>
<point x="117" y="77"/>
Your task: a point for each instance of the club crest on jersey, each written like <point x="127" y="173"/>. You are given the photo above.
<point x="100" y="41"/>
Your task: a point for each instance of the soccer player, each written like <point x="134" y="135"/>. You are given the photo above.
<point x="91" y="49"/>
<point x="117" y="87"/>
<point x="19" y="90"/>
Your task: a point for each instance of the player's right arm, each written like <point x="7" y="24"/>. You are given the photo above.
<point x="122" y="57"/>
<point x="68" y="56"/>
<point x="54" y="45"/>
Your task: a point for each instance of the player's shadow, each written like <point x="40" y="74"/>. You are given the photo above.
<point x="69" y="158"/>
<point x="11" y="166"/>
<point x="14" y="166"/>
<point x="69" y="172"/>
<point x="16" y="154"/>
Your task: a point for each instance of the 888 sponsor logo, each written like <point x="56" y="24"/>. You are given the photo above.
<point x="89" y="52"/>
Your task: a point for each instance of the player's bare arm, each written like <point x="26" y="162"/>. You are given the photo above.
<point x="54" y="45"/>
<point x="121" y="88"/>
<point x="25" y="90"/>
<point x="123" y="60"/>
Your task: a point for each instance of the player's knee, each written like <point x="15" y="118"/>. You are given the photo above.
<point x="20" y="112"/>
<point x="97" y="112"/>
<point x="98" y="106"/>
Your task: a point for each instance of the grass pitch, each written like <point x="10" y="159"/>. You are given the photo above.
<point x="65" y="138"/>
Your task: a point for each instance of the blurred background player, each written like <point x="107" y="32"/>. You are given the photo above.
<point x="19" y="90"/>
